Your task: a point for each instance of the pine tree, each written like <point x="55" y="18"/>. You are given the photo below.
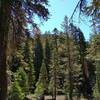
<point x="82" y="55"/>
<point x="93" y="49"/>
<point x="66" y="30"/>
<point x="38" y="56"/>
<point x="28" y="58"/>
<point x="42" y="84"/>
<point x="55" y="62"/>
<point x="22" y="79"/>
<point x="94" y="55"/>
<point x="16" y="92"/>
<point x="47" y="55"/>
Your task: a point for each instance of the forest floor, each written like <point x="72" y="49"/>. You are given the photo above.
<point x="61" y="97"/>
<point x="49" y="97"/>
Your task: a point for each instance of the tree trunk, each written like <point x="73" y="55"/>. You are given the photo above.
<point x="69" y="66"/>
<point x="4" y="11"/>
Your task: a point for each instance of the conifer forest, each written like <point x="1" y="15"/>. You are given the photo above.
<point x="58" y="64"/>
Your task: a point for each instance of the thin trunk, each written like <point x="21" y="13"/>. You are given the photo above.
<point x="3" y="48"/>
<point x="55" y="67"/>
<point x="54" y="92"/>
<point x="70" y="68"/>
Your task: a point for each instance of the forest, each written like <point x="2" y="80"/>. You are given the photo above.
<point x="56" y="65"/>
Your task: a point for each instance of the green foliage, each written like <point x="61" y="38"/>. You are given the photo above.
<point x="40" y="89"/>
<point x="47" y="55"/>
<point x="13" y="27"/>
<point x="28" y="58"/>
<point x="16" y="92"/>
<point x="42" y="83"/>
<point x="38" y="56"/>
<point x="31" y="78"/>
<point x="94" y="48"/>
<point x="97" y="84"/>
<point x="21" y="78"/>
<point x="58" y="63"/>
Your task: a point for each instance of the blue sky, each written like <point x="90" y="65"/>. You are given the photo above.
<point x="58" y="10"/>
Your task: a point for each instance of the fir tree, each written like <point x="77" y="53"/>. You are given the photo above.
<point x="55" y="63"/>
<point x="28" y="58"/>
<point x="16" y="92"/>
<point x="47" y="55"/>
<point x="38" y="56"/>
<point x="42" y="84"/>
<point x="66" y="30"/>
<point x="22" y="79"/>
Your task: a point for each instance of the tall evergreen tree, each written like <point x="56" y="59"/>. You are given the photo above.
<point x="82" y="55"/>
<point x="47" y="55"/>
<point x="38" y="55"/>
<point x="55" y="62"/>
<point x="42" y="84"/>
<point x="16" y="92"/>
<point x="93" y="51"/>
<point x="28" y="58"/>
<point x="66" y="30"/>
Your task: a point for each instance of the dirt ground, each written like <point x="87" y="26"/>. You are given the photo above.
<point x="61" y="97"/>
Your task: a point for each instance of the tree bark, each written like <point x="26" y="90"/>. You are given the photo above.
<point x="4" y="11"/>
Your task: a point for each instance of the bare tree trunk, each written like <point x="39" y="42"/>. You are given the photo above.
<point x="4" y="10"/>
